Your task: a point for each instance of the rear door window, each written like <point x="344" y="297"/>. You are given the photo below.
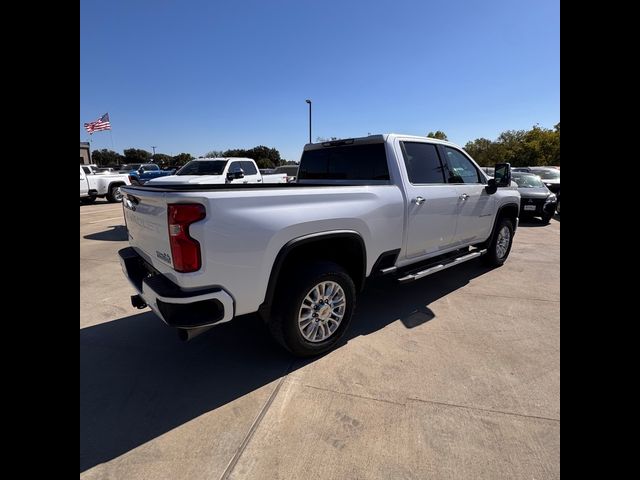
<point x="422" y="162"/>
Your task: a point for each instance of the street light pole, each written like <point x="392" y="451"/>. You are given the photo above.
<point x="154" y="149"/>
<point x="309" y="102"/>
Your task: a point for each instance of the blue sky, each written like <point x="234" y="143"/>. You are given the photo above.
<point x="193" y="76"/>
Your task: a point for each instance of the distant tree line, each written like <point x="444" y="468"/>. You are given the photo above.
<point x="537" y="146"/>
<point x="265" y="157"/>
<point x="521" y="148"/>
<point x="106" y="157"/>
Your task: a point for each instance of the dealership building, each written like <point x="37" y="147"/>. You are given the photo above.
<point x="85" y="153"/>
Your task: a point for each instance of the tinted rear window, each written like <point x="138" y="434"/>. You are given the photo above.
<point x="423" y="162"/>
<point x="350" y="162"/>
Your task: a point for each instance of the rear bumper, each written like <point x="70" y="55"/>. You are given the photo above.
<point x="176" y="307"/>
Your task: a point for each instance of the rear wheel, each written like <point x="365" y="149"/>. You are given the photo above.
<point x="114" y="195"/>
<point x="500" y="246"/>
<point x="313" y="309"/>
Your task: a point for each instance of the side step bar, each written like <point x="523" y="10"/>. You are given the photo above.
<point x="442" y="266"/>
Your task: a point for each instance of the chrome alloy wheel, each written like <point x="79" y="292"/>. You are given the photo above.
<point x="502" y="245"/>
<point x="322" y="311"/>
<point x="117" y="194"/>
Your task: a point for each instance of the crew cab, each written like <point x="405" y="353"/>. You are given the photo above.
<point x="98" y="184"/>
<point x="221" y="170"/>
<point x="145" y="172"/>
<point x="298" y="253"/>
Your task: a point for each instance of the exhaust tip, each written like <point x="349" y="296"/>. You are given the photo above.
<point x="138" y="302"/>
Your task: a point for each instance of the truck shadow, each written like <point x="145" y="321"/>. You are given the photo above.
<point x="118" y="233"/>
<point x="138" y="381"/>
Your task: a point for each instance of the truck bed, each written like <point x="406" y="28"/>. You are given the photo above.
<point x="246" y="225"/>
<point x="183" y="187"/>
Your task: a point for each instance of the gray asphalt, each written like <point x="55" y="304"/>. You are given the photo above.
<point x="454" y="376"/>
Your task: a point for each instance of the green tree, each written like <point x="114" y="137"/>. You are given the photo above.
<point x="521" y="148"/>
<point x="482" y="150"/>
<point x="235" y="152"/>
<point x="265" y="157"/>
<point x="440" y="135"/>
<point x="214" y="153"/>
<point x="135" y="155"/>
<point x="182" y="158"/>
<point x="106" y="157"/>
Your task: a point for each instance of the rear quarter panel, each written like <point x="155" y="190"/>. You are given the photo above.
<point x="245" y="230"/>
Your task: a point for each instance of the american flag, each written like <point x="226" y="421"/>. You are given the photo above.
<point x="102" y="123"/>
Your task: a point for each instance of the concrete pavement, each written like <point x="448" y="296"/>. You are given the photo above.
<point x="453" y="376"/>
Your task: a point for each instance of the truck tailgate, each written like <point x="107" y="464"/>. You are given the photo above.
<point x="146" y="215"/>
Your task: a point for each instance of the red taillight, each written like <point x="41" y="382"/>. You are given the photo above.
<point x="184" y="249"/>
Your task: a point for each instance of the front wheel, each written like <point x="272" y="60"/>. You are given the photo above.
<point x="114" y="195"/>
<point x="546" y="218"/>
<point x="500" y="246"/>
<point x="313" y="309"/>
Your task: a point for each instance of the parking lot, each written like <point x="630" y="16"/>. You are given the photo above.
<point x="453" y="376"/>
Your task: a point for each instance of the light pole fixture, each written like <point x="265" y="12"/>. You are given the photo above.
<point x="154" y="149"/>
<point x="309" y="102"/>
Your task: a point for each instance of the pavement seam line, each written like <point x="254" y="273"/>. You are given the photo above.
<point x="508" y="296"/>
<point x="254" y="426"/>
<point x="355" y="395"/>
<point x="104" y="220"/>
<point x="413" y="399"/>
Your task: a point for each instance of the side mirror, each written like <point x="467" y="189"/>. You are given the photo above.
<point x="502" y="174"/>
<point x="492" y="186"/>
<point x="235" y="175"/>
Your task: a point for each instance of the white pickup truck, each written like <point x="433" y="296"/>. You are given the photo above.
<point x="94" y="184"/>
<point x="298" y="253"/>
<point x="219" y="170"/>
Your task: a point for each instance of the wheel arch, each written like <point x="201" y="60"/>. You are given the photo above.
<point x="345" y="247"/>
<point x="509" y="210"/>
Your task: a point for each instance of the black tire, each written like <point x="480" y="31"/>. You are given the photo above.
<point x="293" y="290"/>
<point x="492" y="257"/>
<point x="114" y="195"/>
<point x="546" y="218"/>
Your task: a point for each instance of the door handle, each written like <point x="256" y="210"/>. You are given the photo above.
<point x="418" y="200"/>
<point x="464" y="196"/>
